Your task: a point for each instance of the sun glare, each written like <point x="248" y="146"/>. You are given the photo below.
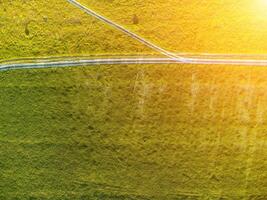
<point x="260" y="7"/>
<point x="256" y="12"/>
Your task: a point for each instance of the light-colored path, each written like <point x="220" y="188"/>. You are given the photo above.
<point x="207" y="60"/>
<point x="84" y="62"/>
<point x="125" y="30"/>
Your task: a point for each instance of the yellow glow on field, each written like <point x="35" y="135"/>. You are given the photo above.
<point x="195" y="26"/>
<point x="229" y="26"/>
<point x="259" y="7"/>
<point x="263" y="2"/>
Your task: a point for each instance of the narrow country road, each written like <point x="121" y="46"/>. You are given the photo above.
<point x="210" y="60"/>
<point x="84" y="62"/>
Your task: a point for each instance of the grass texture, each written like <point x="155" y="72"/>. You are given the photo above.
<point x="133" y="132"/>
<point x="194" y="26"/>
<point x="56" y="28"/>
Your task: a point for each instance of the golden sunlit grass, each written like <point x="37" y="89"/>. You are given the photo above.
<point x="226" y="26"/>
<point x="56" y="28"/>
<point x="133" y="132"/>
<point x="139" y="132"/>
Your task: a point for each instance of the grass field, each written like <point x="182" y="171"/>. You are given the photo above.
<point x="133" y="132"/>
<point x="193" y="25"/>
<point x="56" y="28"/>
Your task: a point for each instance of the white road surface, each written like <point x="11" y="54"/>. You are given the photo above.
<point x="208" y="60"/>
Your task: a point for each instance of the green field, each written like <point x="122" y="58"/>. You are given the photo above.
<point x="133" y="132"/>
<point x="201" y="26"/>
<point x="56" y="28"/>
